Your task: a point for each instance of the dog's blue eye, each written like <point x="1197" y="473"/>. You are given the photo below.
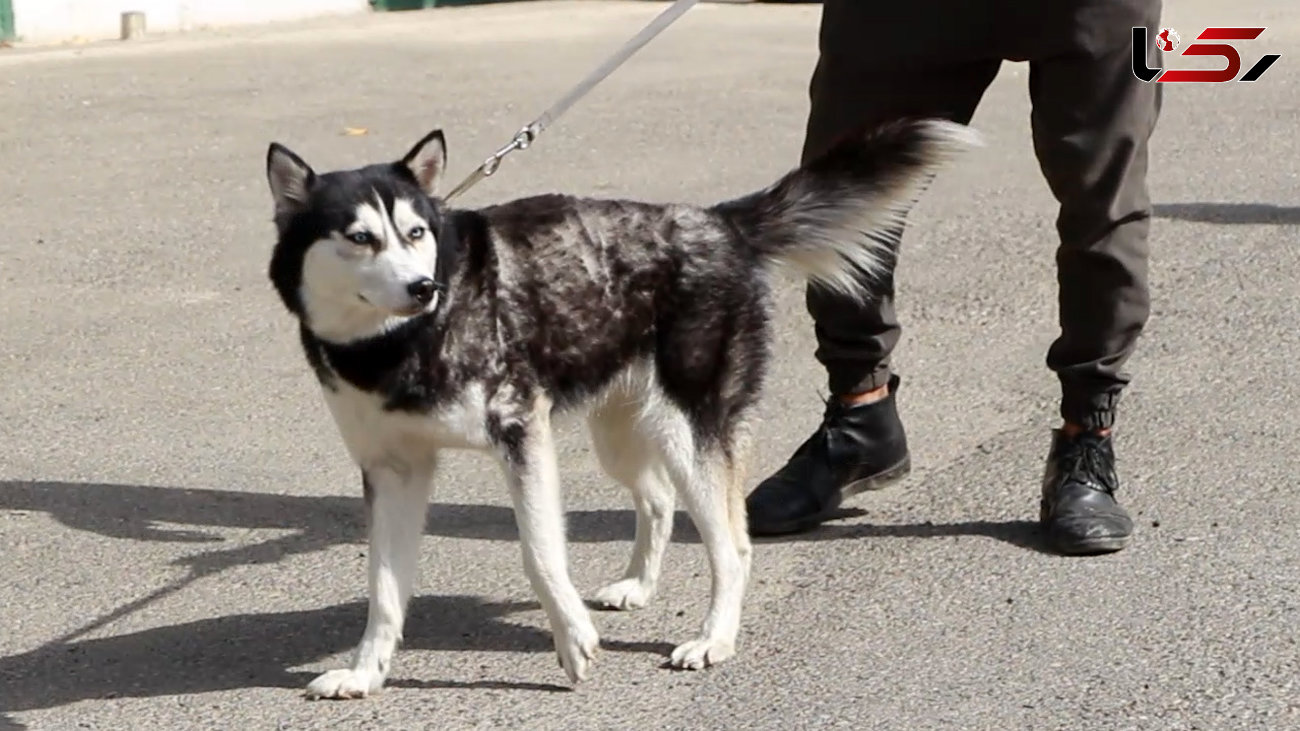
<point x="416" y="233"/>
<point x="361" y="237"/>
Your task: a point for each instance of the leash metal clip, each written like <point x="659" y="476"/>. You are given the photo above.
<point x="521" y="141"/>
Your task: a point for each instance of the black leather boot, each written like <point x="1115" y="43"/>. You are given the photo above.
<point x="1079" y="511"/>
<point x="856" y="448"/>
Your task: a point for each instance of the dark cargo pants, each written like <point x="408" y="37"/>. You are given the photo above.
<point x="1091" y="120"/>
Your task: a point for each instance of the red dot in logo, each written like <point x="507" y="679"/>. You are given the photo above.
<point x="1167" y="39"/>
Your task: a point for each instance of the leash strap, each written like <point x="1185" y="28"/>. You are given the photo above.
<point x="528" y="134"/>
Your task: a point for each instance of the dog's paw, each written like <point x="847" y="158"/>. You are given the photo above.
<point x="577" y="649"/>
<point x="624" y="595"/>
<point x="344" y="683"/>
<point x="701" y="653"/>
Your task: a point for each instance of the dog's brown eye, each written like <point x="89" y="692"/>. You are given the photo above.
<point x="361" y="237"/>
<point x="416" y="233"/>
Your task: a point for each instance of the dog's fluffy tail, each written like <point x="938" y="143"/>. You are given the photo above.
<point x="831" y="218"/>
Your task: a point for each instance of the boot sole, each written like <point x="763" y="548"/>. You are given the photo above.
<point x="878" y="481"/>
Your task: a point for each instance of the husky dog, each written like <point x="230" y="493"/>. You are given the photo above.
<point x="434" y="328"/>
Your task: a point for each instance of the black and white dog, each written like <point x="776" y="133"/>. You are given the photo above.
<point x="434" y="328"/>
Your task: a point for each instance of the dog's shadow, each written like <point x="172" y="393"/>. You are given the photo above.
<point x="252" y="650"/>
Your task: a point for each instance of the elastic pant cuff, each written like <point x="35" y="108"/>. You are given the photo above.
<point x="1090" y="411"/>
<point x="842" y="382"/>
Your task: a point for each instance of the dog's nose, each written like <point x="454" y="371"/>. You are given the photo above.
<point x="422" y="290"/>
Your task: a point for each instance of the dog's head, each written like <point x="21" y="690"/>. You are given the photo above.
<point x="359" y="250"/>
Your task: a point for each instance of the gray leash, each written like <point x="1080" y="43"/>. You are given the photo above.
<point x="528" y="134"/>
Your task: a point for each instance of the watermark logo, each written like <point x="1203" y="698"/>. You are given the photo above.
<point x="1168" y="40"/>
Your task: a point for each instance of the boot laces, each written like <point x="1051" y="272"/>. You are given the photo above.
<point x="1084" y="460"/>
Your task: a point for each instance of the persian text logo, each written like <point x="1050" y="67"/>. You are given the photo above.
<point x="1168" y="40"/>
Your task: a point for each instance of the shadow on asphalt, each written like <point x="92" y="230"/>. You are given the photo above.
<point x="144" y="513"/>
<point x="250" y="650"/>
<point x="1231" y="213"/>
<point x="253" y="650"/>
<point x="1025" y="534"/>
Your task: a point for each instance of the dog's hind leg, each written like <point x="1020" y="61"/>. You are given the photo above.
<point x="630" y="455"/>
<point x="530" y="461"/>
<point x="703" y="480"/>
<point x="396" y="502"/>
<point x="738" y="518"/>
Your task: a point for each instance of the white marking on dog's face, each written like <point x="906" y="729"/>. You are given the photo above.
<point x="357" y="282"/>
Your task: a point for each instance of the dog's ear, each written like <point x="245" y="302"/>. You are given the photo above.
<point x="427" y="161"/>
<point x="291" y="179"/>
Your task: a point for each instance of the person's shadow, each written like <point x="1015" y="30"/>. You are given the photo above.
<point x="1024" y="534"/>
<point x="248" y="650"/>
<point x="1229" y="213"/>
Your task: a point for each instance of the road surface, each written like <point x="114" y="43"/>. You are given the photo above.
<point x="182" y="531"/>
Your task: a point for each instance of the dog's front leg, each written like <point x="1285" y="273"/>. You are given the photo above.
<point x="396" y="501"/>
<point x="535" y="489"/>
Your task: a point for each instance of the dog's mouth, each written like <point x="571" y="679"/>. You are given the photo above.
<point x="411" y="311"/>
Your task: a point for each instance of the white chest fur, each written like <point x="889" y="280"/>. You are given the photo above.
<point x="375" y="435"/>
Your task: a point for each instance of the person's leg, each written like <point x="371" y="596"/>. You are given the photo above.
<point x="906" y="69"/>
<point x="855" y="340"/>
<point x="1091" y="122"/>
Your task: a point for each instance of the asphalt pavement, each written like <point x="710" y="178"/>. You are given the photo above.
<point x="181" y="535"/>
